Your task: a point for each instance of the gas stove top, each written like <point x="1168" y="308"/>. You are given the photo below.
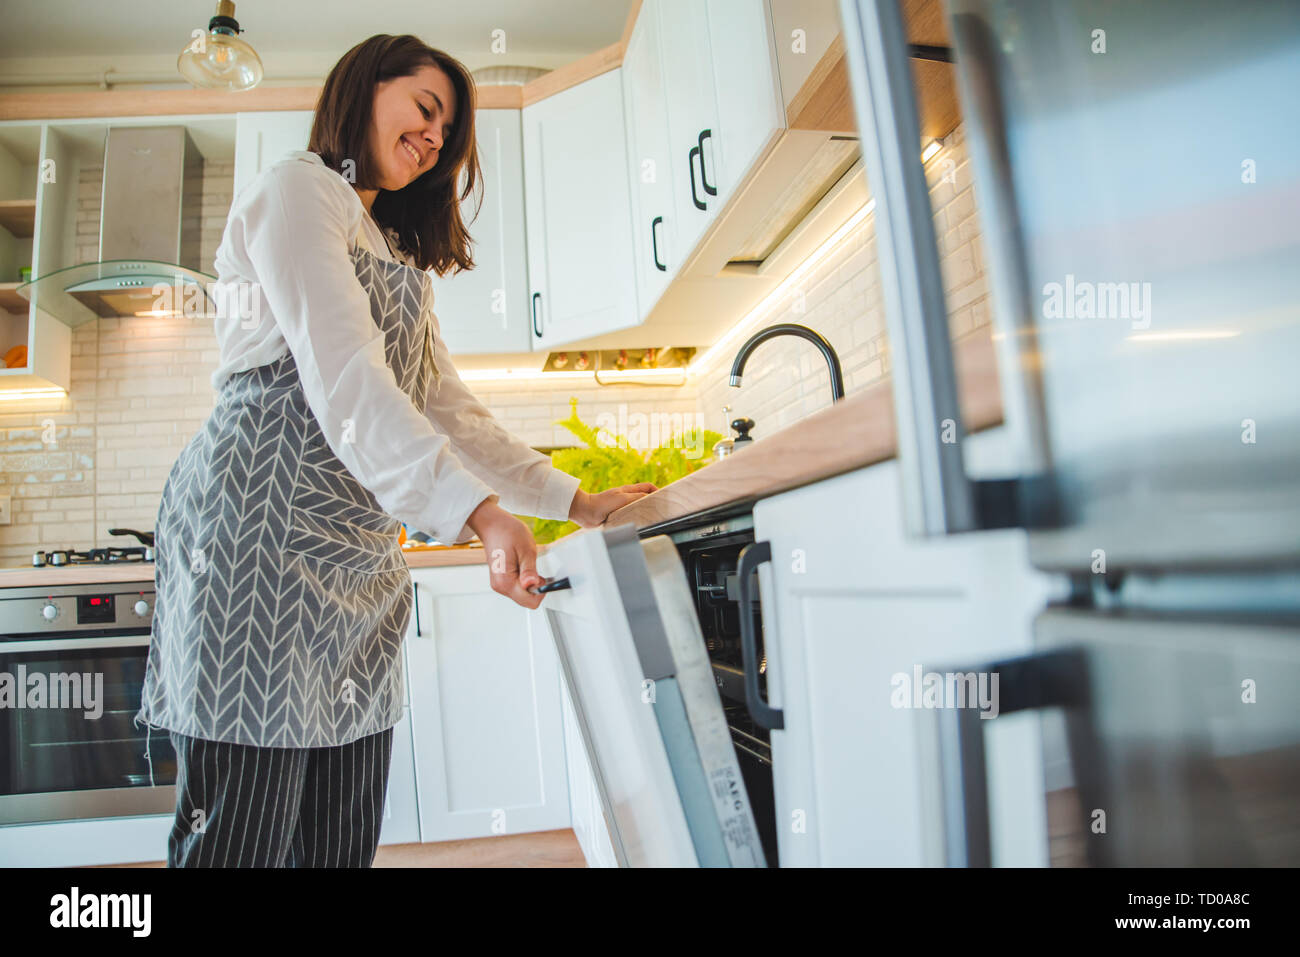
<point x="95" y="556"/>
<point x="112" y="555"/>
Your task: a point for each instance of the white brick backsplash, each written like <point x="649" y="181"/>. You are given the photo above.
<point x="844" y="304"/>
<point x="141" y="387"/>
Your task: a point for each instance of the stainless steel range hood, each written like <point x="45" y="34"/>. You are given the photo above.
<point x="148" y="237"/>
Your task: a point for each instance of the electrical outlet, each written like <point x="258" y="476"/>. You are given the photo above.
<point x="5" y="517"/>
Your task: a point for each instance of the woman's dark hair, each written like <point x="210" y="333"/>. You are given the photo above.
<point x="426" y="212"/>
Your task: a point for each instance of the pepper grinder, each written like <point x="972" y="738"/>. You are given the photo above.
<point x="742" y="426"/>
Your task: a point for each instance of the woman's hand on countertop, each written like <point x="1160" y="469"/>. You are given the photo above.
<point x="591" y="510"/>
<point x="511" y="552"/>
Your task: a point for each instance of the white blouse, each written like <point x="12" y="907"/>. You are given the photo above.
<point x="285" y="247"/>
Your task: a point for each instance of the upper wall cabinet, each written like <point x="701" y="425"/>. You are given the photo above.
<point x="485" y="309"/>
<point x="262" y="138"/>
<point x="703" y="103"/>
<point x="654" y="211"/>
<point x="578" y="213"/>
<point x="692" y="112"/>
<point x="724" y="101"/>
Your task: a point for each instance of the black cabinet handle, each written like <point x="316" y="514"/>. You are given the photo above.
<point x="704" y="180"/>
<point x="751" y="556"/>
<point x="555" y="584"/>
<point x="690" y="158"/>
<point x="537" y="331"/>
<point x="418" y="632"/>
<point x="654" y="243"/>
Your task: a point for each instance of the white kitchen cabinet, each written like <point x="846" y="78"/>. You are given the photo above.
<point x="746" y="81"/>
<point x="263" y="137"/>
<point x="485" y="711"/>
<point x="692" y="114"/>
<point x="724" y="101"/>
<point x="579" y="214"/>
<point x="485" y="309"/>
<point x="654" y="215"/>
<point x="401" y="821"/>
<point x="848" y="603"/>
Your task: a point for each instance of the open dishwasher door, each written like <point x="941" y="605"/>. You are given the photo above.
<point x="651" y="722"/>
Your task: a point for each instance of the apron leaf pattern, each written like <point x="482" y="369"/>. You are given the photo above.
<point x="279" y="579"/>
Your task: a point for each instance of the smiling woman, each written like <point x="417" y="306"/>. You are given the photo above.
<point x="282" y="594"/>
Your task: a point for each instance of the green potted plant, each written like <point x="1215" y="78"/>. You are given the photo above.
<point x="606" y="460"/>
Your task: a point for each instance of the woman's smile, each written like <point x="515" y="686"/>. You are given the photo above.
<point x="412" y="152"/>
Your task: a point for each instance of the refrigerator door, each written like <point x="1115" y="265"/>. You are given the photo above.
<point x="1167" y="742"/>
<point x="639" y="677"/>
<point x="1138" y="192"/>
<point x="1153" y="193"/>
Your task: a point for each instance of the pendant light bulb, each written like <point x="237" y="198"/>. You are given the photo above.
<point x="219" y="59"/>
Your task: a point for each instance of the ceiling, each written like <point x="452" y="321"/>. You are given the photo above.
<point x="296" y="39"/>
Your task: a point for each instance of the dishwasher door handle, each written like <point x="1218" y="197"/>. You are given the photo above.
<point x="555" y="584"/>
<point x="751" y="556"/>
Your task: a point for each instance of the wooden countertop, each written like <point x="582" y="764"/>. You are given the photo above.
<point x="95" y="574"/>
<point x="854" y="432"/>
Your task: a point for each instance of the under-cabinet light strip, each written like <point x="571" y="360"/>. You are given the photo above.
<point x="11" y="394"/>
<point x="515" y="375"/>
<point x="813" y="260"/>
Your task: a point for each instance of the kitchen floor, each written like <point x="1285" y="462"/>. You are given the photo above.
<point x="542" y="849"/>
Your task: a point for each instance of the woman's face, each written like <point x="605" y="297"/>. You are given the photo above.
<point x="412" y="116"/>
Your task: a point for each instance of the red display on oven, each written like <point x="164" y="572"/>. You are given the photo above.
<point x="95" y="609"/>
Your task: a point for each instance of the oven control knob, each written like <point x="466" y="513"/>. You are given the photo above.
<point x="141" y="608"/>
<point x="50" y="611"/>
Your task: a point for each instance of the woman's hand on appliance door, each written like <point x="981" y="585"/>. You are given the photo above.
<point x="591" y="510"/>
<point x="511" y="553"/>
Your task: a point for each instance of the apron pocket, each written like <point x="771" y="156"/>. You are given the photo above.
<point x="340" y="543"/>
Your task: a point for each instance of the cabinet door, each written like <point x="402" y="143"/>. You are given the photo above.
<point x="485" y="712"/>
<point x="654" y="216"/>
<point x="750" y="113"/>
<point x="849" y="604"/>
<point x="578" y="213"/>
<point x="692" y="116"/>
<point x="724" y="102"/>
<point x="401" y="824"/>
<point x="262" y="138"/>
<point x="485" y="310"/>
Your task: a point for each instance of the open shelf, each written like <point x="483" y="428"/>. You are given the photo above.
<point x="19" y="217"/>
<point x="10" y="300"/>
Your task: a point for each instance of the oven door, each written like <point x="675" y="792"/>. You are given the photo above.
<point x="69" y="747"/>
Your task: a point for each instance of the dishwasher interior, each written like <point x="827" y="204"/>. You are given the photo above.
<point x="710" y="555"/>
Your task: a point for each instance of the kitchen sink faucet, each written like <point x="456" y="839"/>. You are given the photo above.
<point x="792" y="329"/>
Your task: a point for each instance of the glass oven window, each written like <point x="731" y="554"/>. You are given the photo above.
<point x="48" y="748"/>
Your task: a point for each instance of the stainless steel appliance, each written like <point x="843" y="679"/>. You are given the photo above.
<point x="1137" y="188"/>
<point x="149" y="232"/>
<point x="72" y="664"/>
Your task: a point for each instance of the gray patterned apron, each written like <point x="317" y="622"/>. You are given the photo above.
<point x="282" y="592"/>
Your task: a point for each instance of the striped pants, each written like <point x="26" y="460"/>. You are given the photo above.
<point x="243" y="806"/>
